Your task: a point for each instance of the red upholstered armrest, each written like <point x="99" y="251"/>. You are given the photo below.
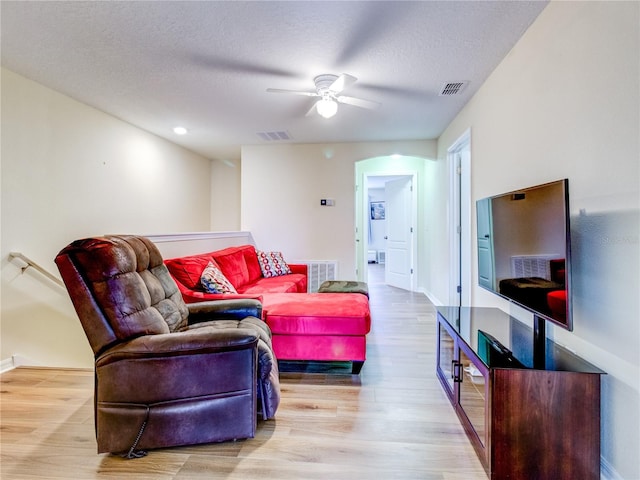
<point x="298" y="268"/>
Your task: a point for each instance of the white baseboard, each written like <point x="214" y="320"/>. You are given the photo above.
<point x="6" y="365"/>
<point x="16" y="360"/>
<point x="432" y="298"/>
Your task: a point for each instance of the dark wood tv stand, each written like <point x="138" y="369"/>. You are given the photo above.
<point x="523" y="422"/>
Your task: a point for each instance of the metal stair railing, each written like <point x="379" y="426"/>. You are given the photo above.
<point x="27" y="263"/>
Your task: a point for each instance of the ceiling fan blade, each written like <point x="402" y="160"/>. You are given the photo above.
<point x="393" y="90"/>
<point x="212" y="62"/>
<point x="293" y="92"/>
<point x="342" y="82"/>
<point x="358" y="102"/>
<point x="376" y="22"/>
<point x="312" y="110"/>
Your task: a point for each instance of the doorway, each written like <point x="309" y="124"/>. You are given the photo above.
<point x="390" y="243"/>
<point x="459" y="160"/>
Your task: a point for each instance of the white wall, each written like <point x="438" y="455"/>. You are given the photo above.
<point x="70" y="171"/>
<point x="565" y="103"/>
<point x="435" y="239"/>
<point x="281" y="190"/>
<point x="225" y="195"/>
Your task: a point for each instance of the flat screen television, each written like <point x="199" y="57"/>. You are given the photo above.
<point x="524" y="250"/>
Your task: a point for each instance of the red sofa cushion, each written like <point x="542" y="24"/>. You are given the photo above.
<point x="233" y="264"/>
<point x="292" y="283"/>
<point x="188" y="270"/>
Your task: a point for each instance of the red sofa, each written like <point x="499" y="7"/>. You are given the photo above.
<point x="240" y="266"/>
<point x="305" y="326"/>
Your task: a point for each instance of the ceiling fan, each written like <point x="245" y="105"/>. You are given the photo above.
<point x="328" y="88"/>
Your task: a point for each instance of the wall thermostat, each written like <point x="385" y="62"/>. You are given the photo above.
<point x="327" y="202"/>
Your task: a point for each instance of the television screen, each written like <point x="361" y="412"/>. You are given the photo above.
<point x="524" y="249"/>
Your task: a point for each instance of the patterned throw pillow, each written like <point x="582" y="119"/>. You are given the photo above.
<point x="272" y="264"/>
<point x="214" y="281"/>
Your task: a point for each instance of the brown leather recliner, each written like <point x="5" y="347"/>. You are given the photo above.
<point x="166" y="373"/>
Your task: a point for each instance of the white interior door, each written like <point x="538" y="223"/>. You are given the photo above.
<point x="398" y="267"/>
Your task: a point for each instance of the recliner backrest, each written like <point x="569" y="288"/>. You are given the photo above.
<point x="120" y="289"/>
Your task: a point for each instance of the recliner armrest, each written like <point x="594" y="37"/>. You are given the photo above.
<point x="188" y="343"/>
<point x="232" y="309"/>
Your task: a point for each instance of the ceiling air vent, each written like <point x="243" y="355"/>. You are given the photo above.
<point x="274" y="136"/>
<point x="452" y="88"/>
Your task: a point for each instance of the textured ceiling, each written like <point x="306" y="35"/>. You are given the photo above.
<point x="206" y="65"/>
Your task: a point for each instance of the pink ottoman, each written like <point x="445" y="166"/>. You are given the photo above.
<point x="319" y="326"/>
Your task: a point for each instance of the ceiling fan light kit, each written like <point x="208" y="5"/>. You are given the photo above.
<point x="327" y="107"/>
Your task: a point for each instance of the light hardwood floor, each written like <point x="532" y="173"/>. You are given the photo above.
<point x="392" y="421"/>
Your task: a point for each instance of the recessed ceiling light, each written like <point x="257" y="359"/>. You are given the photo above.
<point x="396" y="156"/>
<point x="179" y="130"/>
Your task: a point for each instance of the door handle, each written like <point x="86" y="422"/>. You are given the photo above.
<point x="386" y="238"/>
<point x="457" y="372"/>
